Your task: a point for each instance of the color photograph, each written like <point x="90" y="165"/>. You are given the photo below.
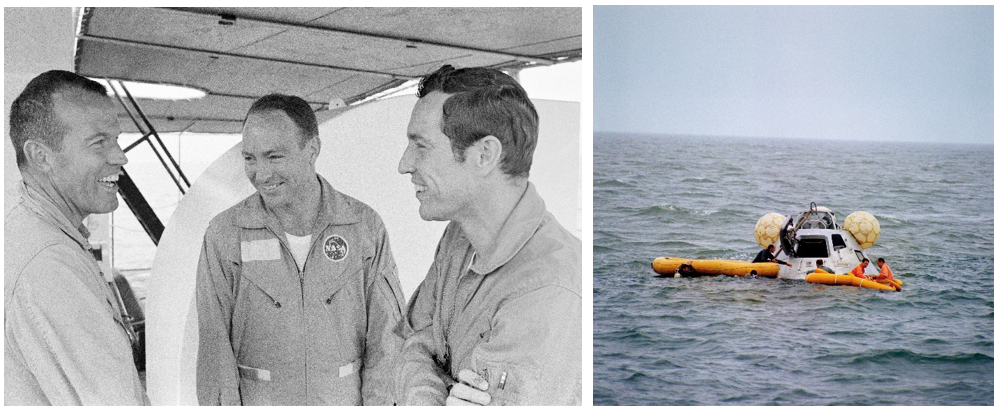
<point x="793" y="205"/>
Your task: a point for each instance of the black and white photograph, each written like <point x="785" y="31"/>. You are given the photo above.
<point x="293" y="206"/>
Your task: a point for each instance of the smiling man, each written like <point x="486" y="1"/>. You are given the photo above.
<point x="497" y="320"/>
<point x="297" y="288"/>
<point x="64" y="339"/>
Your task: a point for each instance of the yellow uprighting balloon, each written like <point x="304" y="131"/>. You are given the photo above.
<point x="864" y="227"/>
<point x="768" y="228"/>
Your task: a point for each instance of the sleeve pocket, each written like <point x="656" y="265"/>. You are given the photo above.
<point x="510" y="383"/>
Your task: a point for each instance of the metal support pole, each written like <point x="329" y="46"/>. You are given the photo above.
<point x="126" y="187"/>
<point x="152" y="132"/>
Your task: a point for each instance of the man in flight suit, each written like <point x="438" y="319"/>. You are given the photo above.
<point x="297" y="287"/>
<point x="497" y="320"/>
<point x="65" y="342"/>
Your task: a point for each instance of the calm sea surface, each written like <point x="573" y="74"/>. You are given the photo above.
<point x="734" y="341"/>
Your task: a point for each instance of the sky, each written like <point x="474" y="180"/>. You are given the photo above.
<point x="848" y="73"/>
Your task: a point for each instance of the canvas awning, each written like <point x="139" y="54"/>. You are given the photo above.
<point x="324" y="55"/>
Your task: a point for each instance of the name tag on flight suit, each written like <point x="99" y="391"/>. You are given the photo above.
<point x="268" y="249"/>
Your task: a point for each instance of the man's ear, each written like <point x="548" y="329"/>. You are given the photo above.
<point x="489" y="151"/>
<point x="39" y="155"/>
<point x="315" y="144"/>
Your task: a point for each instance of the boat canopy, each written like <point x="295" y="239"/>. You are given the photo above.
<point x="331" y="57"/>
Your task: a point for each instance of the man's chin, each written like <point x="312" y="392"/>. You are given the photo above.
<point x="273" y="200"/>
<point x="427" y="215"/>
<point x="424" y="216"/>
<point x="108" y="207"/>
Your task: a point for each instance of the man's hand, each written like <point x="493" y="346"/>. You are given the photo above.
<point x="470" y="390"/>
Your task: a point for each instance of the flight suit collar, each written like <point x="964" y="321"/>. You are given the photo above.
<point x="520" y="225"/>
<point x="37" y="203"/>
<point x="334" y="210"/>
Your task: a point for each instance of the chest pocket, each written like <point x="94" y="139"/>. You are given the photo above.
<point x="263" y="268"/>
<point x="266" y="303"/>
<point x="267" y="282"/>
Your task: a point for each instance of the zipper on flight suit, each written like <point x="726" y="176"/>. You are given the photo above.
<point x="302" y="300"/>
<point x="305" y="335"/>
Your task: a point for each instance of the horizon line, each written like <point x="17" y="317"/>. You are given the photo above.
<point x="786" y="137"/>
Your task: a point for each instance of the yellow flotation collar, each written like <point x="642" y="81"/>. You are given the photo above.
<point x="669" y="265"/>
<point x="822" y="277"/>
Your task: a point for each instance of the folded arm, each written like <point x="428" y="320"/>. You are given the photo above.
<point x="533" y="354"/>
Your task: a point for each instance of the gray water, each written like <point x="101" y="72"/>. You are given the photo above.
<point x="734" y="341"/>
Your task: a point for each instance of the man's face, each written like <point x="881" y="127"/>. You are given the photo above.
<point x="85" y="172"/>
<point x="444" y="186"/>
<point x="274" y="161"/>
<point x="770" y="249"/>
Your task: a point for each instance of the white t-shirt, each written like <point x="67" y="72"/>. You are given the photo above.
<point x="300" y="248"/>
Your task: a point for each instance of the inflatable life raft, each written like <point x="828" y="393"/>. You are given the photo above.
<point x="825" y="278"/>
<point x="668" y="266"/>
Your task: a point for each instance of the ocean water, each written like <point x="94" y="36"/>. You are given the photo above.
<point x="734" y="341"/>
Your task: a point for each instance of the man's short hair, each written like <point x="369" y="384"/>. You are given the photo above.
<point x="33" y="115"/>
<point x="770" y="246"/>
<point x="880" y="260"/>
<point x="819" y="262"/>
<point x="297" y="109"/>
<point x="486" y="102"/>
<point x="864" y="260"/>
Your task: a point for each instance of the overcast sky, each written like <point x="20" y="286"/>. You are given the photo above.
<point x="864" y="73"/>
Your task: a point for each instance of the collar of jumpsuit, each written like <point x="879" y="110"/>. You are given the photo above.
<point x="333" y="211"/>
<point x="516" y="230"/>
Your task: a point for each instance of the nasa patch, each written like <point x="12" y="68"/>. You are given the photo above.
<point x="335" y="248"/>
